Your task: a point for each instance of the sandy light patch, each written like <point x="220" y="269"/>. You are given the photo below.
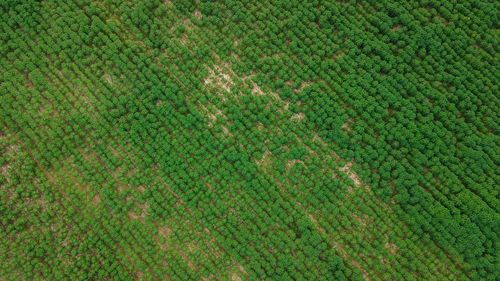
<point x="298" y="116"/>
<point x="133" y="215"/>
<point x="108" y="78"/>
<point x="347" y="126"/>
<point x="292" y="162"/>
<point x="219" y="77"/>
<point x="352" y="174"/>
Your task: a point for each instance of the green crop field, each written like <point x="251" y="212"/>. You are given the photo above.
<point x="249" y="140"/>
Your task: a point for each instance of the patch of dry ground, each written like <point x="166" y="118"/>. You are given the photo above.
<point x="352" y="174"/>
<point x="219" y="78"/>
<point x="108" y="78"/>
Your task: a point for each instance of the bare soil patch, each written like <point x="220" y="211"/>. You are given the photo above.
<point x="352" y="174"/>
<point x="347" y="126"/>
<point x="298" y="116"/>
<point x="108" y="78"/>
<point x="396" y="27"/>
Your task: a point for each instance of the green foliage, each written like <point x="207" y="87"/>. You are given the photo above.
<point x="268" y="140"/>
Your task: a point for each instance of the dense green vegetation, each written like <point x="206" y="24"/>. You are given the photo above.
<point x="249" y="140"/>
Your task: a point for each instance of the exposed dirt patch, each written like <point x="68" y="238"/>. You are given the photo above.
<point x="339" y="53"/>
<point x="298" y="116"/>
<point x="318" y="138"/>
<point x="396" y="27"/>
<point x="108" y="78"/>
<point x="96" y="200"/>
<point x="4" y="170"/>
<point x="391" y="247"/>
<point x="132" y="214"/>
<point x="360" y="220"/>
<point x="347" y="126"/>
<point x="292" y="162"/>
<point x="197" y="14"/>
<point x="164" y="231"/>
<point x="303" y="85"/>
<point x="256" y="90"/>
<point x="226" y="131"/>
<point x="210" y="113"/>
<point x="131" y="172"/>
<point x="352" y="174"/>
<point x="12" y="150"/>
<point x="219" y="77"/>
<point x="41" y="110"/>
<point x="187" y="260"/>
<point x="350" y="189"/>
<point x="265" y="162"/>
<point x="235" y="277"/>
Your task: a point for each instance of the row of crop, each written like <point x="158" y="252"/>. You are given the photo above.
<point x="490" y="197"/>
